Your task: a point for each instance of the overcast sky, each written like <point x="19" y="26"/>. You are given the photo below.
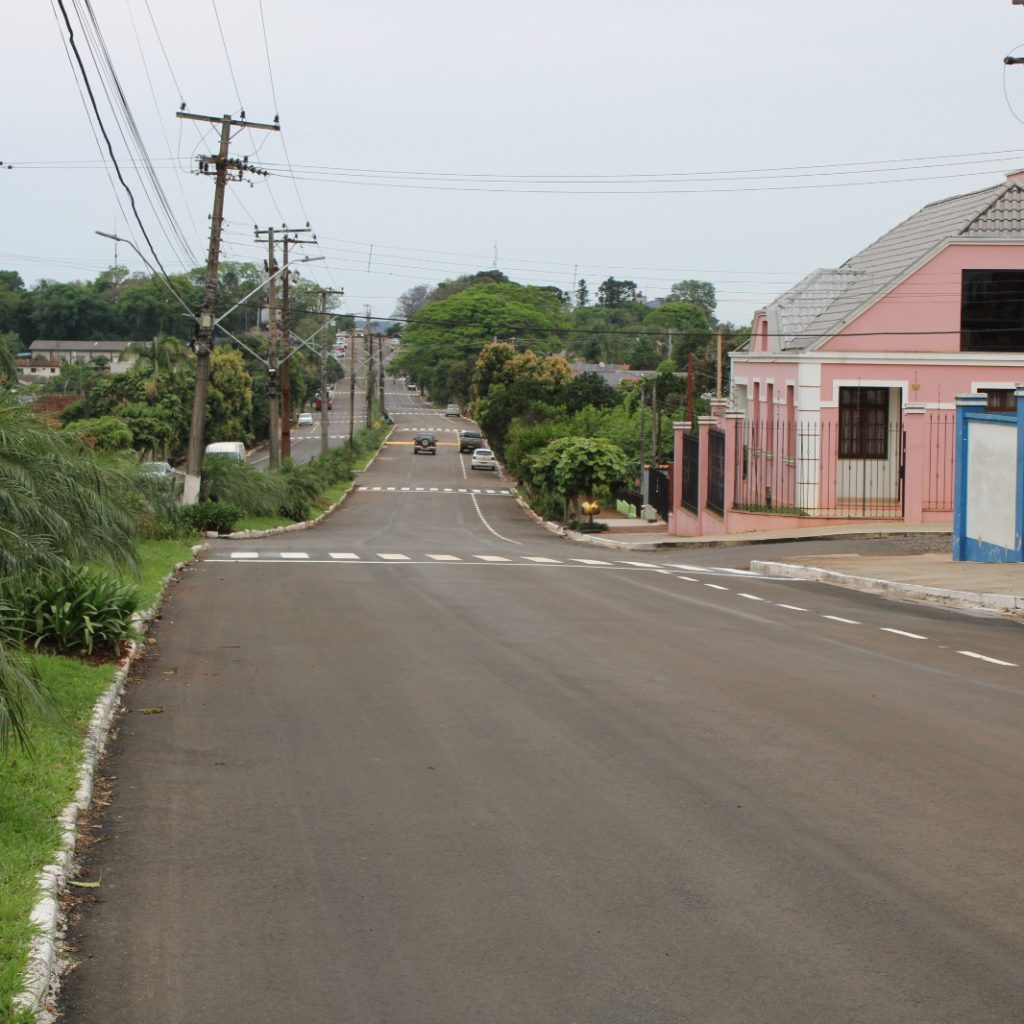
<point x="452" y="136"/>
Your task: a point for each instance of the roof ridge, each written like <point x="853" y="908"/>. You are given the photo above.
<point x="1009" y="187"/>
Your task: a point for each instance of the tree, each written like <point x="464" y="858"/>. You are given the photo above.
<point x="615" y="293"/>
<point x="411" y="301"/>
<point x="104" y="434"/>
<point x="582" y="293"/>
<point x="229" y="410"/>
<point x="691" y="328"/>
<point x="644" y="355"/>
<point x="574" y="467"/>
<point x="589" y="389"/>
<point x="700" y="293"/>
<point x="59" y="508"/>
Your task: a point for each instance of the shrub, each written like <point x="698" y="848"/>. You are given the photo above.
<point x="218" y="516"/>
<point x="253" y="492"/>
<point x="77" y="610"/>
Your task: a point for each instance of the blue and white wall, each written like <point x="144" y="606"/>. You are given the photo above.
<point x="988" y="511"/>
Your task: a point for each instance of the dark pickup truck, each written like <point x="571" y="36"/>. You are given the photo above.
<point x="425" y="444"/>
<point x="470" y="440"/>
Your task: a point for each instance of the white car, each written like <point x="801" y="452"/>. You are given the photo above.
<point x="483" y="458"/>
<point x="452" y="410"/>
<point x="305" y="419"/>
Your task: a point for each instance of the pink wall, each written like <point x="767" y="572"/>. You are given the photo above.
<point x="927" y="301"/>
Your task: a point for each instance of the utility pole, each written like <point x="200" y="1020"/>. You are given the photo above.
<point x="380" y="374"/>
<point x="689" y="387"/>
<point x="324" y="344"/>
<point x="718" y="365"/>
<point x="351" y="390"/>
<point x="369" y="370"/>
<point x="655" y="424"/>
<point x="273" y="356"/>
<point x="286" y="334"/>
<point x="202" y="334"/>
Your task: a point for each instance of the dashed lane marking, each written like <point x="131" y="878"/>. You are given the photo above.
<point x="542" y="560"/>
<point x="591" y="561"/>
<point x="392" y="558"/>
<point x="715" y="586"/>
<point x="791" y="607"/>
<point x="294" y="554"/>
<point x="245" y="554"/>
<point x="343" y="556"/>
<point x="750" y="597"/>
<point x="445" y="558"/>
<point x="839" y="618"/>
<point x="991" y="661"/>
<point x="493" y="558"/>
<point x="503" y="492"/>
<point x="902" y="632"/>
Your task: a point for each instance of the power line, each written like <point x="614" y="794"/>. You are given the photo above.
<point x="227" y="56"/>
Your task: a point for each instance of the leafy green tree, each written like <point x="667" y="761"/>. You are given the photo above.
<point x="582" y="293"/>
<point x="60" y="507"/>
<point x="613" y="292"/>
<point x="575" y="467"/>
<point x="644" y="355"/>
<point x="14" y="306"/>
<point x="589" y="388"/>
<point x="105" y="433"/>
<point x="446" y="289"/>
<point x="59" y="311"/>
<point x="229" y="409"/>
<point x="700" y="293"/>
<point x="690" y="328"/>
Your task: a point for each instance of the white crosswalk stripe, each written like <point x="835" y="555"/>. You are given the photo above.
<point x="500" y="491"/>
<point x="539" y="560"/>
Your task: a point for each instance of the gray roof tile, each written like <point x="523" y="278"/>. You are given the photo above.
<point x="822" y="302"/>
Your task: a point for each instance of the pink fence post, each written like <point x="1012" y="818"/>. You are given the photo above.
<point x="678" y="432"/>
<point x="733" y="423"/>
<point x="915" y="462"/>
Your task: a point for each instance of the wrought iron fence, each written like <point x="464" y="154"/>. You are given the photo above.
<point x="812" y="469"/>
<point x="659" y="491"/>
<point x="716" y="471"/>
<point x="691" y="462"/>
<point x="938" y="463"/>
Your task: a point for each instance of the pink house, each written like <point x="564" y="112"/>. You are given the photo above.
<point x="843" y="400"/>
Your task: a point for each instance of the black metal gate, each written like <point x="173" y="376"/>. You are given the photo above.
<point x="716" y="471"/>
<point x="659" y="491"/>
<point x="691" y="462"/>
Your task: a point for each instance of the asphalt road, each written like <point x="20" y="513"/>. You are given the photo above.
<point x="428" y="764"/>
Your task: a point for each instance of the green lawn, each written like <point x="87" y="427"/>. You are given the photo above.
<point x="36" y="786"/>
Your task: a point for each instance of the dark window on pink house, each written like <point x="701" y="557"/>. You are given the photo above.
<point x="1000" y="399"/>
<point x="863" y="423"/>
<point x="992" y="311"/>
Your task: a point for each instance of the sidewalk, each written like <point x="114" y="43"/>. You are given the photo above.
<point x="933" y="577"/>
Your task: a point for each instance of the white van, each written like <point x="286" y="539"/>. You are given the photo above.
<point x="227" y="450"/>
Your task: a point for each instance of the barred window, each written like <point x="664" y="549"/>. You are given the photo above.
<point x="863" y="423"/>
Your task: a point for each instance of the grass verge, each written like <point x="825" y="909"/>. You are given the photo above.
<point x="36" y="786"/>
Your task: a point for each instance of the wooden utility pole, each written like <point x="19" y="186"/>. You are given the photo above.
<point x="718" y="365"/>
<point x="380" y="374"/>
<point x="369" y="370"/>
<point x="219" y="167"/>
<point x="325" y="402"/>
<point x="352" y="390"/>
<point x="273" y="356"/>
<point x="689" y="386"/>
<point x="286" y="336"/>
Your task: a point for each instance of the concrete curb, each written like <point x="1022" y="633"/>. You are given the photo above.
<point x="1003" y="604"/>
<point x="41" y="973"/>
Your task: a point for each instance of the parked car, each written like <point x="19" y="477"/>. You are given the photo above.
<point x="234" y="450"/>
<point x="469" y="441"/>
<point x="305" y="419"/>
<point x="412" y="386"/>
<point x="452" y="410"/>
<point x="425" y="444"/>
<point x="161" y="469"/>
<point x="318" y="403"/>
<point x="483" y="458"/>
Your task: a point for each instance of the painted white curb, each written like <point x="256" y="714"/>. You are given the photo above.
<point x="1005" y="604"/>
<point x="40" y="972"/>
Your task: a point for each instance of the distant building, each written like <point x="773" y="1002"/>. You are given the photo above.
<point x="35" y="370"/>
<point x="613" y="374"/>
<point x="70" y="351"/>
